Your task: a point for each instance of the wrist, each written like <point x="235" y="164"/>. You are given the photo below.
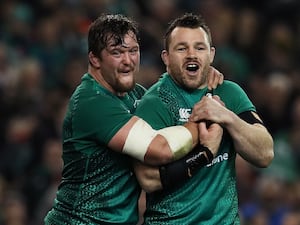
<point x="229" y="119"/>
<point x="208" y="153"/>
<point x="193" y="128"/>
<point x="177" y="172"/>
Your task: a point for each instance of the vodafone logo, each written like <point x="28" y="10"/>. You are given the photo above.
<point x="218" y="159"/>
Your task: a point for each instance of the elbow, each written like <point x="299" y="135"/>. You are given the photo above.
<point x="266" y="160"/>
<point x="165" y="156"/>
<point x="162" y="157"/>
<point x="263" y="161"/>
<point x="266" y="153"/>
<point x="158" y="152"/>
<point x="150" y="187"/>
<point x="269" y="153"/>
<point x="268" y="156"/>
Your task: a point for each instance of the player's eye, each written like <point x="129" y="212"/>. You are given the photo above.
<point x="133" y="51"/>
<point x="116" y="53"/>
<point x="181" y="49"/>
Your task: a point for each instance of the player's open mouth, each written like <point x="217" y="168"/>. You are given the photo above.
<point x="126" y="72"/>
<point x="192" y="67"/>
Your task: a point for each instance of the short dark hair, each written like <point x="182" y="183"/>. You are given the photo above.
<point x="108" y="26"/>
<point x="188" y="20"/>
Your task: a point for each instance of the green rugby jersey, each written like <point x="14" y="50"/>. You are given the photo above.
<point x="210" y="197"/>
<point x="98" y="185"/>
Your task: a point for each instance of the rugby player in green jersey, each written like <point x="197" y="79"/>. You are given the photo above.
<point x="209" y="196"/>
<point x="101" y="135"/>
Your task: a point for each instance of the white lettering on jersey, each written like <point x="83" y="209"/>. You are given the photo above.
<point x="184" y="114"/>
<point x="218" y="159"/>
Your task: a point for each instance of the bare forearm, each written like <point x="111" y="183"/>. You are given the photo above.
<point x="175" y="173"/>
<point x="147" y="176"/>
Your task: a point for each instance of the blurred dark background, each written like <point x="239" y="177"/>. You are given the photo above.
<point x="43" y="54"/>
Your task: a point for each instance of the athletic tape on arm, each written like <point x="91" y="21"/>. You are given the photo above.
<point x="138" y="140"/>
<point x="179" y="139"/>
<point x="141" y="135"/>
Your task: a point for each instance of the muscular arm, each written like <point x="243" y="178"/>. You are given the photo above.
<point x="251" y="140"/>
<point x="137" y="139"/>
<point x="147" y="176"/>
<point x="175" y="173"/>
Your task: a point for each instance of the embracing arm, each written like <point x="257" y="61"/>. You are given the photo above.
<point x="171" y="175"/>
<point x="175" y="173"/>
<point x="137" y="139"/>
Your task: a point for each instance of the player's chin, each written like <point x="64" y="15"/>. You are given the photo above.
<point x="191" y="84"/>
<point x="126" y="86"/>
<point x="193" y="81"/>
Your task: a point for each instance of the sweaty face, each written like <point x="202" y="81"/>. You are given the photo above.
<point x="120" y="63"/>
<point x="189" y="57"/>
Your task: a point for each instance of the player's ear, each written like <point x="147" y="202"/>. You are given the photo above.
<point x="165" y="57"/>
<point x="94" y="60"/>
<point x="212" y="54"/>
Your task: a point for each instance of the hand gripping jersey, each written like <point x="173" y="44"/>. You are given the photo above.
<point x="98" y="185"/>
<point x="210" y="196"/>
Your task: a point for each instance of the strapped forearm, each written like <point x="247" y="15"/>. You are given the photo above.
<point x="180" y="171"/>
<point x="157" y="147"/>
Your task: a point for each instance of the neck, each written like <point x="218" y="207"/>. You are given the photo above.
<point x="96" y="74"/>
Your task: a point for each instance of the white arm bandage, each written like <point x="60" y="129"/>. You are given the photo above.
<point x="138" y="140"/>
<point x="141" y="135"/>
<point x="179" y="139"/>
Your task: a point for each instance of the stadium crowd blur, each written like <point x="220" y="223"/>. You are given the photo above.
<point x="43" y="55"/>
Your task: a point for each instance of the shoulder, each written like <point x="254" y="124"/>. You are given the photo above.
<point x="163" y="86"/>
<point x="153" y="94"/>
<point x="229" y="88"/>
<point x="234" y="97"/>
<point x="90" y="95"/>
<point x="230" y="84"/>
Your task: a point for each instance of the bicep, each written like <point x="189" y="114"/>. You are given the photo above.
<point x="117" y="142"/>
<point x="139" y="140"/>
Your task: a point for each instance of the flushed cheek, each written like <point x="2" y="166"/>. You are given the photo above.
<point x="176" y="63"/>
<point x="136" y="61"/>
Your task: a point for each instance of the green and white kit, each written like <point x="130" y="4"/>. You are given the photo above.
<point x="98" y="185"/>
<point x="210" y="196"/>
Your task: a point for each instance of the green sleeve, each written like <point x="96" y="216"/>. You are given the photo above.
<point x="234" y="97"/>
<point x="99" y="118"/>
<point x="152" y="110"/>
